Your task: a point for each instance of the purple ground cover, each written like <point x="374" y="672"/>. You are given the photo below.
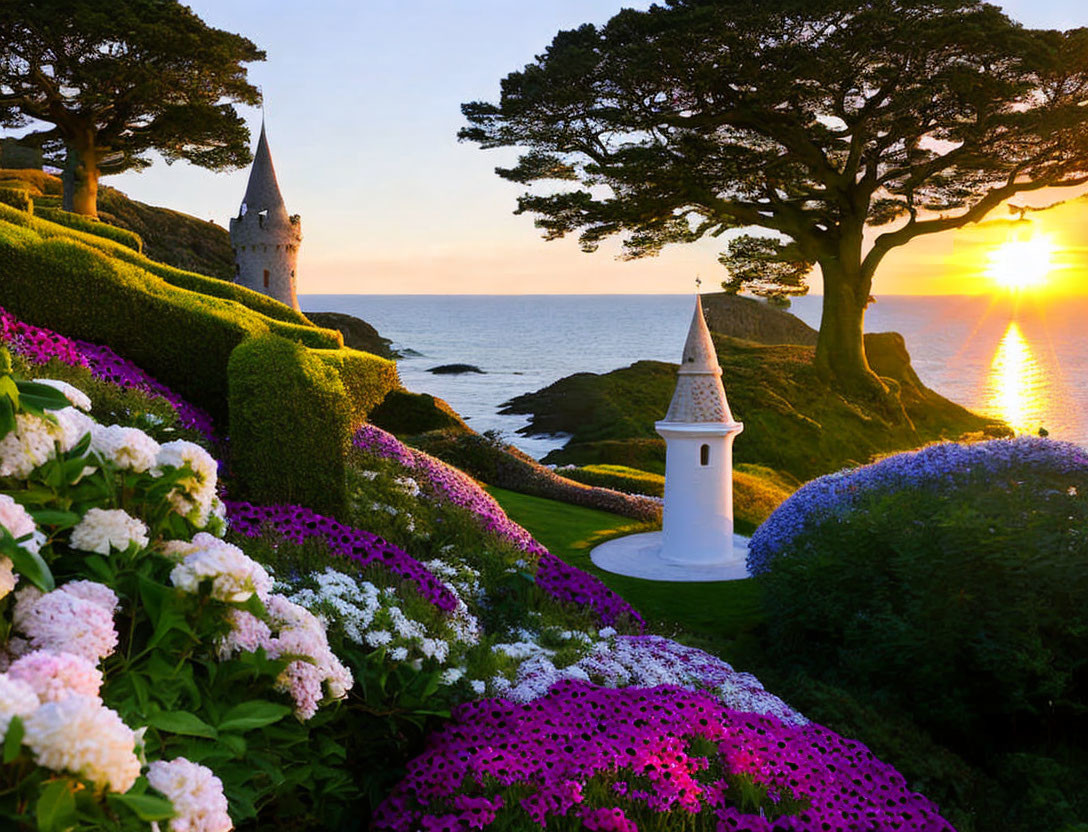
<point x="297" y="523"/>
<point x="557" y="578"/>
<point x="39" y="345"/>
<point x="603" y="756"/>
<point x="939" y="467"/>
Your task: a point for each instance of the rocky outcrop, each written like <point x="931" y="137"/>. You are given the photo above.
<point x="753" y="320"/>
<point x="358" y="334"/>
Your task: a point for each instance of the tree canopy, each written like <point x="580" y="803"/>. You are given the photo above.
<point x="117" y="80"/>
<point x="808" y="119"/>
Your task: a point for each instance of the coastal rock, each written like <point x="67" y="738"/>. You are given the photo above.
<point x="358" y="334"/>
<point x="753" y="320"/>
<point x="455" y="369"/>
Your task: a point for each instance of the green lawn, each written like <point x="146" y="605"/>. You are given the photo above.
<point x="709" y="615"/>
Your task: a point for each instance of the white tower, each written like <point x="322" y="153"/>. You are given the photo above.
<point x="699" y="431"/>
<point x="264" y="237"/>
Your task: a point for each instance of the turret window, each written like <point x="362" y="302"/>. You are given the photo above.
<point x="266" y="286"/>
<point x="704" y="451"/>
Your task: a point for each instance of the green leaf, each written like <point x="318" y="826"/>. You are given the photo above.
<point x="13" y="740"/>
<point x="7" y="416"/>
<point x="56" y="808"/>
<point x="236" y="743"/>
<point x="146" y="807"/>
<point x="256" y="713"/>
<point x="31" y="566"/>
<point x="52" y="517"/>
<point x="34" y="396"/>
<point x="182" y="722"/>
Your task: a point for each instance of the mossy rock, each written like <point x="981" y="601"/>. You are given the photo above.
<point x="793" y="422"/>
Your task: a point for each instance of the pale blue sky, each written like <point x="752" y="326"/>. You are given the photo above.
<point x="362" y="102"/>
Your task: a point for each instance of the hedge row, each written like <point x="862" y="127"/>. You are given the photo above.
<point x="87" y="225"/>
<point x="255" y="301"/>
<point x="618" y="477"/>
<point x="296" y="391"/>
<point x="16" y="197"/>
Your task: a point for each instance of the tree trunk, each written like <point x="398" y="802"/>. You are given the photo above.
<point x="840" y="346"/>
<point x="81" y="177"/>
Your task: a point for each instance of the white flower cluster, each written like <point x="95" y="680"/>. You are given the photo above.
<point x="372" y="616"/>
<point x="128" y="448"/>
<point x="195" y="498"/>
<point x="103" y="529"/>
<point x="197" y="795"/>
<point x="292" y="631"/>
<point x="234" y="575"/>
<point x="54" y="686"/>
<point x="76" y="397"/>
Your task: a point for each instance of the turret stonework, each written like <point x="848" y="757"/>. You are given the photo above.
<point x="699" y="429"/>
<point x="264" y="237"/>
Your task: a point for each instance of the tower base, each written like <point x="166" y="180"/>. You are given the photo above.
<point x="639" y="556"/>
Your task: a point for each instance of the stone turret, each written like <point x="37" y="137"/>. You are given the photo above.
<point x="699" y="429"/>
<point x="264" y="237"/>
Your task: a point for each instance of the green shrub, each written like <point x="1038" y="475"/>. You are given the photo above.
<point x="366" y="378"/>
<point x="290" y="425"/>
<point x="619" y="477"/>
<point x="18" y="198"/>
<point x="407" y="414"/>
<point x="91" y="226"/>
<point x="953" y="588"/>
<point x="37" y="181"/>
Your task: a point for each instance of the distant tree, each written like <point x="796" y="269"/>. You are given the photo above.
<point x="118" y="79"/>
<point x="812" y="119"/>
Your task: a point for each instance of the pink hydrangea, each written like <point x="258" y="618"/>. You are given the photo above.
<point x="63" y="621"/>
<point x="56" y="676"/>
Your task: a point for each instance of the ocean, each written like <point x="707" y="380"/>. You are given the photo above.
<point x="1024" y="361"/>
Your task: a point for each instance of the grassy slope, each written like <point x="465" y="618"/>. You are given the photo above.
<point x="793" y="422"/>
<point x="714" y="613"/>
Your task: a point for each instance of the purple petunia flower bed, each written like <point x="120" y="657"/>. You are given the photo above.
<point x="40" y="345"/>
<point x="297" y="524"/>
<point x="611" y="757"/>
<point x="557" y="578"/>
<point x="937" y="468"/>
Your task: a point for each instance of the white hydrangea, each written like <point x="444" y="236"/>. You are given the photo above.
<point x="127" y="448"/>
<point x="30" y="445"/>
<point x="76" y="396"/>
<point x="195" y="498"/>
<point x="80" y="735"/>
<point x="19" y="523"/>
<point x="103" y="529"/>
<point x="234" y="575"/>
<point x="197" y="795"/>
<point x="72" y="425"/>
<point x="17" y="698"/>
<point x="55" y="675"/>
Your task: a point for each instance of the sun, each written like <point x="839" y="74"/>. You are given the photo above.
<point x="1022" y="264"/>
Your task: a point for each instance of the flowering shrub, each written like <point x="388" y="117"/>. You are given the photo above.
<point x="641" y="758"/>
<point x="100" y="522"/>
<point x="951" y="584"/>
<point x="40" y="346"/>
<point x="445" y="483"/>
<point x="940" y="468"/>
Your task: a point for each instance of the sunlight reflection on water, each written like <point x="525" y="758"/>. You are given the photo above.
<point x="1018" y="385"/>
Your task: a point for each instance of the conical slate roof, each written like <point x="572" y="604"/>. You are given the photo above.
<point x="263" y="191"/>
<point x="699" y="396"/>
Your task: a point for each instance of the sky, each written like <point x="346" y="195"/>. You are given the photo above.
<point x="362" y="103"/>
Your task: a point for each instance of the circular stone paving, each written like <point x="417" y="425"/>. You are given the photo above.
<point x="638" y="556"/>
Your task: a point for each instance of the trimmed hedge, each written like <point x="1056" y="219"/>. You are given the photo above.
<point x="407" y="414"/>
<point x="16" y="197"/>
<point x="290" y="425"/>
<point x="37" y="181"/>
<point x="263" y="304"/>
<point x="618" y="477"/>
<point x="367" y="378"/>
<point x="95" y="227"/>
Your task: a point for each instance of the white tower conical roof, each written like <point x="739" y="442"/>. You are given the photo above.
<point x="699" y="396"/>
<point x="263" y="191"/>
